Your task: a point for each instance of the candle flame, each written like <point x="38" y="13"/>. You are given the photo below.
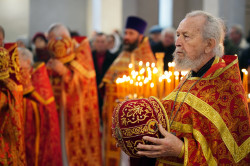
<point x="155" y="70"/>
<point x="153" y="65"/>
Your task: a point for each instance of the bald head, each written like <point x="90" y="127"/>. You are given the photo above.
<point x="58" y="30"/>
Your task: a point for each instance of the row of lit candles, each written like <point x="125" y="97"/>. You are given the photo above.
<point x="148" y="81"/>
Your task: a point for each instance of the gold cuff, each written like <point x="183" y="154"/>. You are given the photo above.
<point x="182" y="151"/>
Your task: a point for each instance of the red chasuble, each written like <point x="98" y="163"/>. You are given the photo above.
<point x="42" y="133"/>
<point x="118" y="69"/>
<point x="77" y="99"/>
<point x="214" y="119"/>
<point x="14" y="126"/>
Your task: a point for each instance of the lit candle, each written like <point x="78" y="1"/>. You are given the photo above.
<point x="137" y="89"/>
<point x="161" y="84"/>
<point x="176" y="74"/>
<point x="130" y="66"/>
<point x="131" y="82"/>
<point x="146" y="88"/>
<point x="140" y="65"/>
<point x="245" y="80"/>
<point x="140" y="90"/>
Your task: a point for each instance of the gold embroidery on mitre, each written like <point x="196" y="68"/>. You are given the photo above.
<point x="62" y="48"/>
<point x="4" y="63"/>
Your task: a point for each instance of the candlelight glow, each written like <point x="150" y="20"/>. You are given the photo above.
<point x="153" y="65"/>
<point x="155" y="70"/>
<point x="140" y="63"/>
<point x="147" y="64"/>
<point x="152" y="85"/>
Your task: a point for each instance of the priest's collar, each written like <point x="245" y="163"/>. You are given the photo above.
<point x="204" y="69"/>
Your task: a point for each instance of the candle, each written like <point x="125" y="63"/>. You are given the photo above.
<point x="130" y="66"/>
<point x="118" y="89"/>
<point x="140" y="90"/>
<point x="140" y="65"/>
<point x="137" y="89"/>
<point x="168" y="86"/>
<point x="245" y="80"/>
<point x="146" y="88"/>
<point x="131" y="82"/>
<point x="160" y="90"/>
<point x="176" y="74"/>
<point x="153" y="65"/>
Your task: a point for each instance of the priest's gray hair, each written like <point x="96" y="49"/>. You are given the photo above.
<point x="25" y="54"/>
<point x="212" y="29"/>
<point x="169" y="30"/>
<point x="59" y="30"/>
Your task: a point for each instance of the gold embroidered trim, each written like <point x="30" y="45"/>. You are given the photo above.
<point x="82" y="70"/>
<point x="42" y="100"/>
<point x="186" y="128"/>
<point x="182" y="151"/>
<point x="168" y="162"/>
<point x="66" y="58"/>
<point x="216" y="73"/>
<point x="164" y="111"/>
<point x="37" y="139"/>
<point x="205" y="148"/>
<point x="238" y="152"/>
<point x="37" y="66"/>
<point x="4" y="75"/>
<point x="186" y="151"/>
<point x="28" y="90"/>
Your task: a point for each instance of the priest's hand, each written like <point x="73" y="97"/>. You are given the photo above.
<point x="57" y="66"/>
<point x="170" y="145"/>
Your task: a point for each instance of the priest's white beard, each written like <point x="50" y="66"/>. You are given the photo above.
<point x="185" y="63"/>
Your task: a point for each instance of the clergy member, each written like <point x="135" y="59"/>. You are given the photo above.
<point x="208" y="112"/>
<point x="42" y="133"/>
<point x="73" y="80"/>
<point x="136" y="48"/>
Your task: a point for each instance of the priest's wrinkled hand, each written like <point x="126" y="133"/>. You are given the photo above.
<point x="170" y="145"/>
<point x="57" y="66"/>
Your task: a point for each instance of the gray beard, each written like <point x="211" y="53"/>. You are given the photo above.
<point x="184" y="64"/>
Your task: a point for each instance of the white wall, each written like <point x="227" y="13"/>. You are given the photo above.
<point x="211" y="6"/>
<point x="43" y="13"/>
<point x="145" y="9"/>
<point x="14" y="17"/>
<point x="233" y="12"/>
<point x="111" y="15"/>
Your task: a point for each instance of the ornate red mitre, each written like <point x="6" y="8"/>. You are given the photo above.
<point x="62" y="48"/>
<point x="14" y="67"/>
<point x="4" y="63"/>
<point x="134" y="119"/>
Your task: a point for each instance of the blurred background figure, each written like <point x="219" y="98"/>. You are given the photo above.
<point x="154" y="35"/>
<point x="166" y="45"/>
<point x="42" y="133"/>
<point x="23" y="41"/>
<point x="73" y="79"/>
<point x="41" y="52"/>
<point x="102" y="60"/>
<point x="2" y="36"/>
<point x="114" y="43"/>
<point x="236" y="35"/>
